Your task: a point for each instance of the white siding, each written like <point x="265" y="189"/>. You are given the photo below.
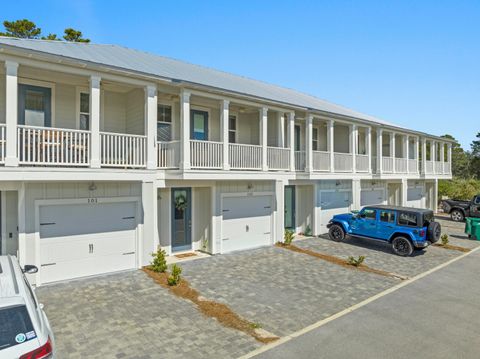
<point x="248" y="128"/>
<point x="341" y="138"/>
<point x="201" y="217"/>
<point x="65" y="106"/>
<point x="113" y="112"/>
<point x="135" y="110"/>
<point x="164" y="215"/>
<point x="272" y="129"/>
<point x="304" y="207"/>
<point x="2" y="98"/>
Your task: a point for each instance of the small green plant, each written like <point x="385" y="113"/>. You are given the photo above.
<point x="308" y="231"/>
<point x="356" y="262"/>
<point x="174" y="277"/>
<point x="288" y="236"/>
<point x="205" y="244"/>
<point x="444" y="239"/>
<point x="255" y="325"/>
<point x="159" y="264"/>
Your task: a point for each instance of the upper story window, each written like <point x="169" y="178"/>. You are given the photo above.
<point x="315" y="139"/>
<point x="34" y="104"/>
<point x="84" y="116"/>
<point x="164" y="123"/>
<point x="232" y="129"/>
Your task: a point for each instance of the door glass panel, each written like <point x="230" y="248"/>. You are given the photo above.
<point x="34" y="108"/>
<point x="199" y="126"/>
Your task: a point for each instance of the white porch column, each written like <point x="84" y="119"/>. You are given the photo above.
<point x="150" y="238"/>
<point x="392" y="150"/>
<point x="433" y="155"/>
<point x="291" y="139"/>
<point x="22" y="232"/>
<point x="330" y="143"/>
<point x="280" y="129"/>
<point x="368" y="145"/>
<point x="353" y="144"/>
<point x="185" y="129"/>
<point x="215" y="220"/>
<point x="11" y="112"/>
<point x="406" y="145"/>
<point x="95" y="91"/>
<point x="416" y="150"/>
<point x="449" y="156"/>
<point x="279" y="211"/>
<point x="308" y="143"/>
<point x="435" y="196"/>
<point x="263" y="136"/>
<point x="404" y="191"/>
<point x="379" y="150"/>
<point x="356" y="194"/>
<point x="151" y="125"/>
<point x="442" y="155"/>
<point x="424" y="155"/>
<point x="224" y="119"/>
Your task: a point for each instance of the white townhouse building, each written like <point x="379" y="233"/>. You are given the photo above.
<point x="108" y="152"/>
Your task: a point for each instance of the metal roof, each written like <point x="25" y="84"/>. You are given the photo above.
<point x="167" y="68"/>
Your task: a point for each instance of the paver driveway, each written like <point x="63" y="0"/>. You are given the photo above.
<point x="127" y="315"/>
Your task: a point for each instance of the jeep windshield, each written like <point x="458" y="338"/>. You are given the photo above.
<point x="15" y="326"/>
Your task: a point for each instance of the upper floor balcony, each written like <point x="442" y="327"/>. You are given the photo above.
<point x="90" y="121"/>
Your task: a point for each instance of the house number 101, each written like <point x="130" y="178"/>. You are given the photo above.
<point x="92" y="200"/>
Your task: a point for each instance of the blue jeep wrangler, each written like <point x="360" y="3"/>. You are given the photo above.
<point x="404" y="228"/>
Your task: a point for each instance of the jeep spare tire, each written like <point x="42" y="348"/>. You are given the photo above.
<point x="336" y="233"/>
<point x="434" y="231"/>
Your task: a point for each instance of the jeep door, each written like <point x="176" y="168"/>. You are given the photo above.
<point x="366" y="223"/>
<point x="475" y="207"/>
<point x="386" y="224"/>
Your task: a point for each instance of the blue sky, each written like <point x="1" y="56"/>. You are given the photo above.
<point x="413" y="63"/>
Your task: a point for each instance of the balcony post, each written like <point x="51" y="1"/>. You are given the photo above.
<point x="11" y="113"/>
<point x="95" y="153"/>
<point x="368" y="146"/>
<point x="331" y="144"/>
<point x="151" y="125"/>
<point x="424" y="155"/>
<point x="379" y="150"/>
<point x="415" y="152"/>
<point x="185" y="129"/>
<point x="449" y="156"/>
<point x="224" y="127"/>
<point x="406" y="151"/>
<point x="308" y="143"/>
<point x="264" y="136"/>
<point x="353" y="144"/>
<point x="442" y="155"/>
<point x="280" y="129"/>
<point x="290" y="139"/>
<point x="392" y="151"/>
<point x="433" y="155"/>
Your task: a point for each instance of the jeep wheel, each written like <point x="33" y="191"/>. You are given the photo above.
<point x="402" y="246"/>
<point x="457" y="216"/>
<point x="434" y="232"/>
<point x="336" y="233"/>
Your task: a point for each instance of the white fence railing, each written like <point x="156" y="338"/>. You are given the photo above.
<point x="278" y="158"/>
<point x="245" y="157"/>
<point x="387" y="165"/>
<point x="3" y="142"/>
<point x="343" y="162"/>
<point x="438" y="167"/>
<point x="53" y="146"/>
<point x="374" y="164"/>
<point x="206" y="154"/>
<point x="448" y="168"/>
<point x="401" y="165"/>
<point x="321" y="161"/>
<point x="168" y="154"/>
<point x="299" y="160"/>
<point x="362" y="164"/>
<point x="412" y="166"/>
<point x="429" y="167"/>
<point x="122" y="150"/>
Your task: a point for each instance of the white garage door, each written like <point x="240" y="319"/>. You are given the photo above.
<point x="415" y="197"/>
<point x="370" y="197"/>
<point x="78" y="240"/>
<point x="332" y="203"/>
<point x="247" y="222"/>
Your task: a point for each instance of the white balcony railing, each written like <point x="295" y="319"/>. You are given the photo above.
<point x="387" y="164"/>
<point x="3" y="142"/>
<point x="53" y="146"/>
<point x="278" y="158"/>
<point x="448" y="168"/>
<point x="429" y="167"/>
<point x="439" y="167"/>
<point x="343" y="162"/>
<point x="245" y="157"/>
<point x="362" y="163"/>
<point x="300" y="160"/>
<point x="321" y="161"/>
<point x="401" y="165"/>
<point x="412" y="166"/>
<point x="168" y="154"/>
<point x="122" y="150"/>
<point x="374" y="164"/>
<point x="206" y="154"/>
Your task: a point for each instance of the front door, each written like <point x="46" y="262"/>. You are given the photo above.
<point x="290" y="207"/>
<point x="181" y="219"/>
<point x="199" y="125"/>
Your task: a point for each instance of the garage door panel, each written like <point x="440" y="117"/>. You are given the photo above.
<point x="372" y="197"/>
<point x="332" y="203"/>
<point x="415" y="197"/>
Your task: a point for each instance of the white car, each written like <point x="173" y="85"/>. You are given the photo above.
<point x="25" y="332"/>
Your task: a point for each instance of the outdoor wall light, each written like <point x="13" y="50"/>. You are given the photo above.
<point x="92" y="186"/>
<point x="338" y="183"/>
<point x="249" y="186"/>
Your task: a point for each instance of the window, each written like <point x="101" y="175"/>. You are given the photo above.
<point x="369" y="214"/>
<point x="164" y="123"/>
<point x="315" y="139"/>
<point x="387" y="216"/>
<point x="84" y="120"/>
<point x="16" y="326"/>
<point x="232" y="129"/>
<point x="407" y="219"/>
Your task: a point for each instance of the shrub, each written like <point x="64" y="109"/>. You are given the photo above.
<point x="458" y="188"/>
<point x="356" y="261"/>
<point x="288" y="236"/>
<point x="444" y="239"/>
<point x="308" y="231"/>
<point x="174" y="277"/>
<point x="159" y="264"/>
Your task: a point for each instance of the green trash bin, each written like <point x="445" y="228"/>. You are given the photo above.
<point x="471" y="225"/>
<point x="476" y="231"/>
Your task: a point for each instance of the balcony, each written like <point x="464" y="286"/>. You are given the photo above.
<point x="245" y="157"/>
<point x="278" y="158"/>
<point x="121" y="150"/>
<point x="321" y="161"/>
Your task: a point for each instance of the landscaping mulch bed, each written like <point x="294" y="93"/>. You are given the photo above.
<point x="210" y="308"/>
<point x="340" y="261"/>
<point x="452" y="247"/>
